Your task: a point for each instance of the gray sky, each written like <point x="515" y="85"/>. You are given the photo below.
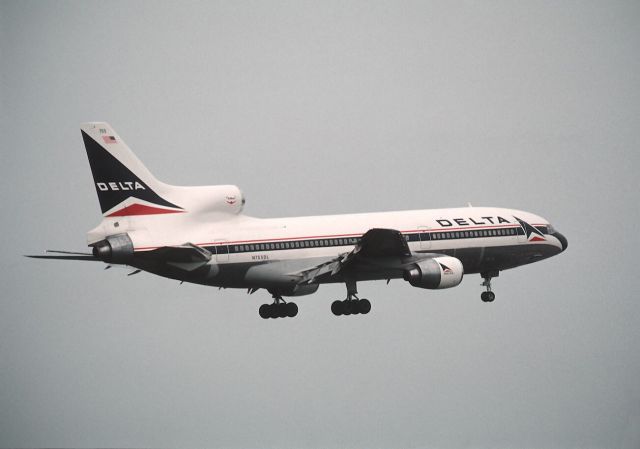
<point x="318" y="108"/>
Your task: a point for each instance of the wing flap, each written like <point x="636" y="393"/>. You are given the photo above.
<point x="380" y="242"/>
<point x="187" y="257"/>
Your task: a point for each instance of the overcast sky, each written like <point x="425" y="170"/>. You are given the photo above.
<point x="322" y="108"/>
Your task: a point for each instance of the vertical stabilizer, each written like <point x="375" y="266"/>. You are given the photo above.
<point x="124" y="185"/>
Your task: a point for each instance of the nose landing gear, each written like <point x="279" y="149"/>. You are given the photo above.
<point x="488" y="296"/>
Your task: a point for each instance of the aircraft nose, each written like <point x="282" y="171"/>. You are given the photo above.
<point x="563" y="240"/>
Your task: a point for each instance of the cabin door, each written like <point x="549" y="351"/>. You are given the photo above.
<point x="425" y="237"/>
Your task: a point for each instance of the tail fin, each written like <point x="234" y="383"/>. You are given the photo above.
<point x="124" y="185"/>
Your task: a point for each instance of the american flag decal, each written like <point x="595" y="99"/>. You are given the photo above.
<point x="109" y="139"/>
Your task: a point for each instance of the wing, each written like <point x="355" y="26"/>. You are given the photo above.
<point x="378" y="247"/>
<point x="186" y="257"/>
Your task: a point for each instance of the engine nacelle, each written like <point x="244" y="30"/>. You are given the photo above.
<point x="226" y="199"/>
<point x="435" y="273"/>
<point x="114" y="249"/>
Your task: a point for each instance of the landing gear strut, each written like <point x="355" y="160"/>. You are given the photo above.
<point x="278" y="309"/>
<point x="352" y="305"/>
<point x="488" y="296"/>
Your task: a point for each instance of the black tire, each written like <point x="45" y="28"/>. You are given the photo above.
<point x="364" y="306"/>
<point x="488" y="296"/>
<point x="273" y="311"/>
<point x="292" y="309"/>
<point x="336" y="308"/>
<point x="348" y="307"/>
<point x="282" y="310"/>
<point x="264" y="311"/>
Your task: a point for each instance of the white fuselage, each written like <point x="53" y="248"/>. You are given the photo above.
<point x="246" y="240"/>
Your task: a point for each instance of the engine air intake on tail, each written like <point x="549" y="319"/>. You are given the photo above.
<point x="114" y="249"/>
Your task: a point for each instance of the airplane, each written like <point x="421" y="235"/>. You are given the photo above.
<point x="200" y="235"/>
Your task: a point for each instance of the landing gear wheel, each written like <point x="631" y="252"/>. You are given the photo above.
<point x="279" y="308"/>
<point x="352" y="305"/>
<point x="347" y="307"/>
<point x="336" y="308"/>
<point x="488" y="296"/>
<point x="264" y="311"/>
<point x="364" y="306"/>
<point x="292" y="309"/>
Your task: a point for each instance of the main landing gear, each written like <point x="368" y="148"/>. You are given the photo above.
<point x="352" y="305"/>
<point x="279" y="309"/>
<point x="488" y="296"/>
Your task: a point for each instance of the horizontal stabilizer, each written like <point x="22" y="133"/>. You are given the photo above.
<point x="69" y="256"/>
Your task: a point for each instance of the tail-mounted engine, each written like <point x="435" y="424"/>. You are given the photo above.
<point x="435" y="273"/>
<point x="114" y="249"/>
